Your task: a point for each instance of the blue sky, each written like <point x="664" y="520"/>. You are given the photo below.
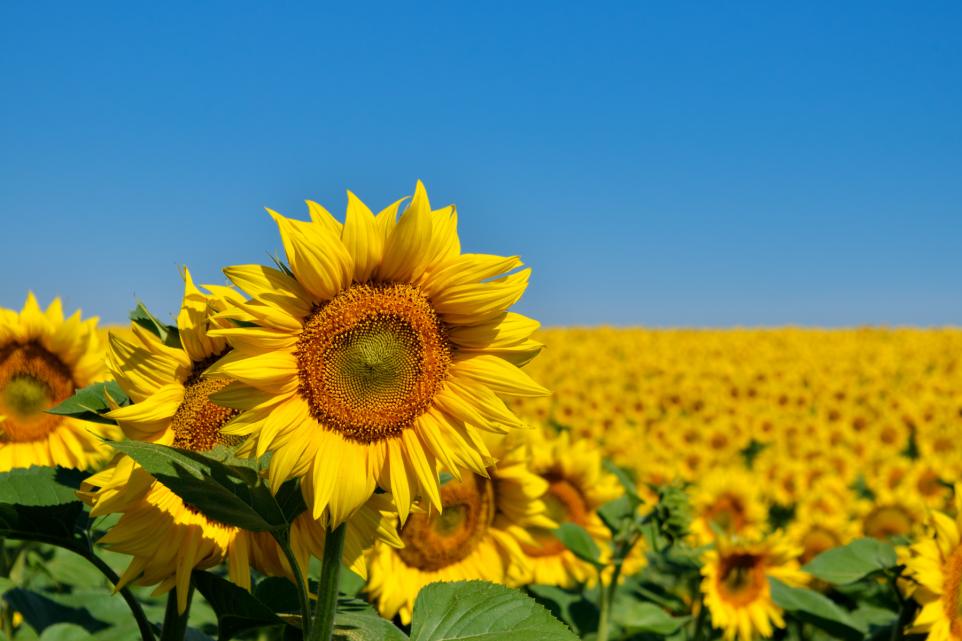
<point x="698" y="164"/>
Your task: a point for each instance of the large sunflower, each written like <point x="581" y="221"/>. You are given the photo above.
<point x="380" y="353"/>
<point x="44" y="359"/>
<point x="477" y="536"/>
<point x="935" y="562"/>
<point x="736" y="589"/>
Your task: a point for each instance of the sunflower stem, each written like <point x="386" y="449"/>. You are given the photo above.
<point x="175" y="622"/>
<point x="322" y="627"/>
<point x="143" y="623"/>
<point x="303" y="589"/>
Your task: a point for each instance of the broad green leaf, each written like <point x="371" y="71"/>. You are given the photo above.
<point x="568" y="605"/>
<point x="852" y="562"/>
<point x="577" y="539"/>
<point x="90" y="402"/>
<point x="481" y="611"/>
<point x="221" y="492"/>
<point x="41" y="612"/>
<point x="237" y="609"/>
<point x="40" y="485"/>
<point x="169" y="334"/>
<point x="638" y="616"/>
<point x="356" y="620"/>
<point x="817" y="609"/>
<point x="60" y="525"/>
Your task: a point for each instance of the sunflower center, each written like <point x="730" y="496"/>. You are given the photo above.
<point x="31" y="380"/>
<point x="728" y="513"/>
<point x="816" y="541"/>
<point x="197" y="421"/>
<point x="371" y="360"/>
<point x="565" y="504"/>
<point x="434" y="541"/>
<point x="886" y="521"/>
<point x="741" y="577"/>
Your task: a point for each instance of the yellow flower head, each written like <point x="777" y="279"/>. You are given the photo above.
<point x="44" y="359"/>
<point x="380" y="354"/>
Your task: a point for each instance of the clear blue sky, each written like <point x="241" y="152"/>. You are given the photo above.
<point x="657" y="164"/>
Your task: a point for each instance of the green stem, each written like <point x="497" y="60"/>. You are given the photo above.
<point x="700" y="621"/>
<point x="322" y="628"/>
<point x="175" y="622"/>
<point x="143" y="623"/>
<point x="302" y="587"/>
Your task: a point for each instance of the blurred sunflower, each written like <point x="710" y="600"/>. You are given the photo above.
<point x="736" y="589"/>
<point x="378" y="355"/>
<point x="44" y="359"/>
<point x="478" y="535"/>
<point x="728" y="501"/>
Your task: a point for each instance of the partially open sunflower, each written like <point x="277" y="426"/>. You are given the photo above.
<point x="377" y="353"/>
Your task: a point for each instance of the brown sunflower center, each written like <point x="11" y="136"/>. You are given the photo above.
<point x="817" y="540"/>
<point x="741" y="577"/>
<point x="371" y="360"/>
<point x="197" y="421"/>
<point x="434" y="541"/>
<point x="728" y="512"/>
<point x="31" y="380"/>
<point x="886" y="521"/>
<point x="565" y="504"/>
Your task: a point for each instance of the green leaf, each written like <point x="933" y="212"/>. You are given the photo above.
<point x="817" y="609"/>
<point x="42" y="612"/>
<point x="169" y="334"/>
<point x="88" y="403"/>
<point x="237" y="609"/>
<point x="637" y="616"/>
<point x="279" y="594"/>
<point x="482" y="611"/>
<point x="626" y="482"/>
<point x="40" y="485"/>
<point x="60" y="525"/>
<point x="227" y="494"/>
<point x="356" y="620"/>
<point x="615" y="512"/>
<point x="577" y="539"/>
<point x="852" y="562"/>
<point x="65" y="632"/>
<point x="568" y="605"/>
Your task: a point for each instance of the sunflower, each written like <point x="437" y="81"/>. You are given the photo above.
<point x="44" y="359"/>
<point x="727" y="500"/>
<point x="577" y="486"/>
<point x="897" y="512"/>
<point x="379" y="352"/>
<point x="935" y="562"/>
<point x="478" y="535"/>
<point x="735" y="585"/>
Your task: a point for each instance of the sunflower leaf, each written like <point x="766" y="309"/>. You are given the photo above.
<point x="356" y="620"/>
<point x="168" y="334"/>
<point x="816" y="608"/>
<point x="237" y="609"/>
<point x="219" y="491"/>
<point x="37" y="485"/>
<point x="849" y="563"/>
<point x="61" y="525"/>
<point x="482" y="611"/>
<point x="89" y="403"/>
<point x="577" y="539"/>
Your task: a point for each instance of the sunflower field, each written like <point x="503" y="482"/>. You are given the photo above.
<point x="361" y="441"/>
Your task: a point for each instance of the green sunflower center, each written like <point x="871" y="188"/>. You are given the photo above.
<point x="433" y="541"/>
<point x="371" y="360"/>
<point x="31" y="380"/>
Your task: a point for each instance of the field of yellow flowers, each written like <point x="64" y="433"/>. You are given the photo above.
<point x="362" y="442"/>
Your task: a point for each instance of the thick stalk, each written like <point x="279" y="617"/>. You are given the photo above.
<point x="322" y="627"/>
<point x="175" y="623"/>
<point x="143" y="624"/>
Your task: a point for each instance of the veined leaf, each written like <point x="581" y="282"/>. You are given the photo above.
<point x="852" y="562"/>
<point x="40" y="485"/>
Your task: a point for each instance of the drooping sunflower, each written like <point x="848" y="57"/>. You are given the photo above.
<point x="379" y="352"/>
<point x="167" y="537"/>
<point x="44" y="359"/>
<point x="577" y="486"/>
<point x="735" y="584"/>
<point x="478" y="535"/>
<point x="935" y="562"/>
